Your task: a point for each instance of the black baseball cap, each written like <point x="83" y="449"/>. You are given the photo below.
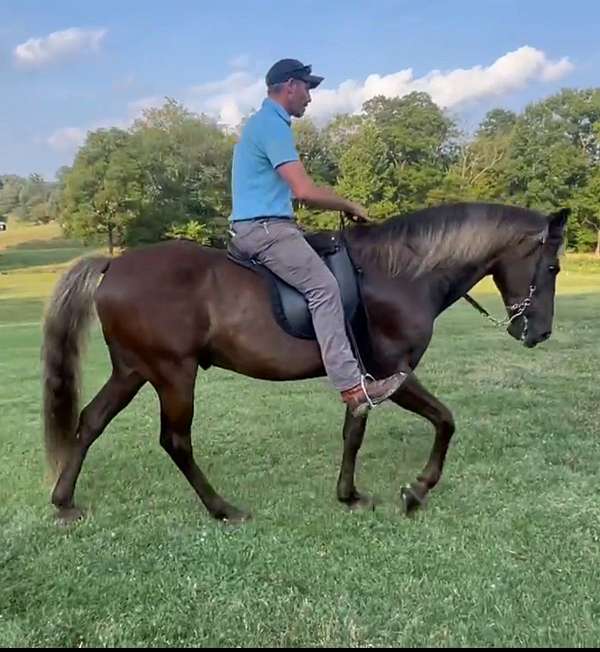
<point x="286" y="69"/>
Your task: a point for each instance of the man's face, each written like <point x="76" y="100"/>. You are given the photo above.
<point x="298" y="97"/>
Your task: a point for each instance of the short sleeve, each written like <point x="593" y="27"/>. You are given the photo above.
<point x="279" y="144"/>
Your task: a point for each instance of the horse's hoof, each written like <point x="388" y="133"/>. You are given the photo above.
<point x="236" y="517"/>
<point x="411" y="501"/>
<point x="361" y="503"/>
<point x="68" y="515"/>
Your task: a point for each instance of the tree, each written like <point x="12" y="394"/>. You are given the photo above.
<point x="102" y="188"/>
<point x="192" y="230"/>
<point x="367" y="172"/>
<point x="33" y="198"/>
<point x="397" y="154"/>
<point x="186" y="162"/>
<point x="56" y="196"/>
<point x="169" y="175"/>
<point x="547" y="160"/>
<point x="9" y="193"/>
<point x="170" y="169"/>
<point x="314" y="152"/>
<point x="338" y="135"/>
<point x="586" y="209"/>
<point x="497" y="122"/>
<point x="479" y="170"/>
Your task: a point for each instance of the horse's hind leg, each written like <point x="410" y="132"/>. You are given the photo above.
<point x="177" y="411"/>
<point x="116" y="394"/>
<point x="414" y="397"/>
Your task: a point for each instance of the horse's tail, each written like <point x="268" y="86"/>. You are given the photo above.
<point x="66" y="323"/>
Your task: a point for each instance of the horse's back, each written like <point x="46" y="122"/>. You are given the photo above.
<point x="157" y="290"/>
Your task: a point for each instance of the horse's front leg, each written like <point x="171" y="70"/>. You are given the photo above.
<point x="414" y="397"/>
<point x="354" y="431"/>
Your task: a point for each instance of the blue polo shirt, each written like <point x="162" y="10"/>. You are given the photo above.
<point x="266" y="142"/>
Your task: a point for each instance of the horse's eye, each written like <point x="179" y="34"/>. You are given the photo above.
<point x="554" y="269"/>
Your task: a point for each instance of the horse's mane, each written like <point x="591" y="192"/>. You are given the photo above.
<point x="444" y="236"/>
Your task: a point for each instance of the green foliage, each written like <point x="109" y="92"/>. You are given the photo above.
<point x="497" y="122"/>
<point x="339" y="134"/>
<point x="29" y="200"/>
<point x="367" y="171"/>
<point x="397" y="155"/>
<point x="10" y="187"/>
<point x="193" y="230"/>
<point x="186" y="163"/>
<point x="586" y="208"/>
<point x="315" y="152"/>
<point x="545" y="158"/>
<point x="102" y="188"/>
<point x="173" y="167"/>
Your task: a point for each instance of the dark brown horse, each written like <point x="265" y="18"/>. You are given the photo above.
<point x="168" y="308"/>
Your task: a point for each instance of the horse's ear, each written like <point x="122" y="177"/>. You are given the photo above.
<point x="557" y="222"/>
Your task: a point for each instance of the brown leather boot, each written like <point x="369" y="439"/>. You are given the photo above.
<point x="361" y="398"/>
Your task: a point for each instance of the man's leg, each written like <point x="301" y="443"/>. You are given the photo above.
<point x="280" y="246"/>
<point x="288" y="255"/>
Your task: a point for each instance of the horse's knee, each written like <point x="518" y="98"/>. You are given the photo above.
<point x="176" y="445"/>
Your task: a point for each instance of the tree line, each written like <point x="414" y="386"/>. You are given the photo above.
<point x="169" y="174"/>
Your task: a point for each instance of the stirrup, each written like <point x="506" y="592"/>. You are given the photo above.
<point x="364" y="389"/>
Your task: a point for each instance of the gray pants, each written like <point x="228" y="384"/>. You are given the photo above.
<point x="280" y="246"/>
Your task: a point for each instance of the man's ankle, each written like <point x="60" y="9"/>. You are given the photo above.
<point x="359" y="393"/>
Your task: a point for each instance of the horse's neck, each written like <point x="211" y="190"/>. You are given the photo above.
<point x="451" y="285"/>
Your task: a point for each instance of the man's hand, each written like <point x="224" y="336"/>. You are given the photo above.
<point x="357" y="214"/>
<point x="305" y="190"/>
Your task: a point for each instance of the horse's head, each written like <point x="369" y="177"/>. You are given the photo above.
<point x="526" y="279"/>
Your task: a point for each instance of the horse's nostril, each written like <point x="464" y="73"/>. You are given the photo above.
<point x="546" y="335"/>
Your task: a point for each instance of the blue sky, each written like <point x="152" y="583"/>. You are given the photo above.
<point x="70" y="66"/>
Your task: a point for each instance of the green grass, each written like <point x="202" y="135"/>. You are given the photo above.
<point x="28" y="283"/>
<point x="31" y="256"/>
<point x="24" y="247"/>
<point x="507" y="552"/>
<point x="19" y="258"/>
<point x="582" y="263"/>
<point x="21" y="232"/>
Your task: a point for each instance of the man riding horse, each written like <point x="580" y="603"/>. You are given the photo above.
<point x="266" y="171"/>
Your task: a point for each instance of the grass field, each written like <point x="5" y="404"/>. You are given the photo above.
<point x="31" y="256"/>
<point x="19" y="233"/>
<point x="507" y="552"/>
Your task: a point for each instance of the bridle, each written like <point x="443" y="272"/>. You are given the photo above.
<point x="518" y="309"/>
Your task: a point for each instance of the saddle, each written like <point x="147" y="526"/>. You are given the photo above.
<point x="289" y="306"/>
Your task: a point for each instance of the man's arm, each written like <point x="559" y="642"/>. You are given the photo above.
<point x="305" y="189"/>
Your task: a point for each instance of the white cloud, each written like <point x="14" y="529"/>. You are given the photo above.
<point x="67" y="139"/>
<point x="37" y="52"/>
<point x="507" y="74"/>
<point x="557" y="70"/>
<point x="230" y="99"/>
<point x="242" y="61"/>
